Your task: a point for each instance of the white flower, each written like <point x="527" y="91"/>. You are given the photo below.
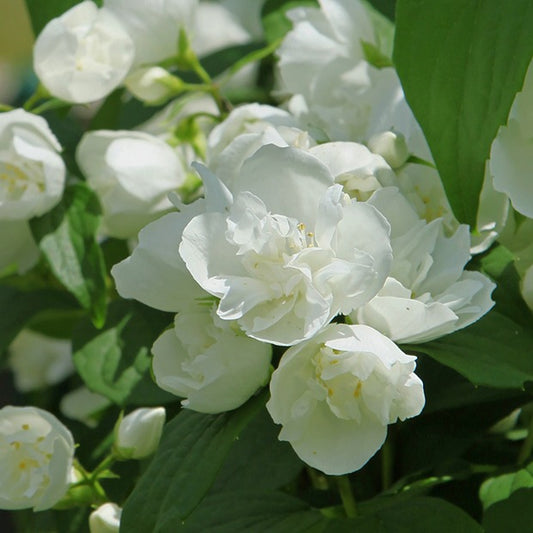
<point x="290" y="252"/>
<point x="428" y="293"/>
<point x="32" y="178"/>
<point x="132" y="173"/>
<point x="336" y="393"/>
<point x="32" y="173"/>
<point x="155" y="274"/>
<point x="153" y="26"/>
<point x="138" y="434"/>
<point x="511" y="159"/>
<point x="210" y="362"/>
<point x="83" y="405"/>
<point x="36" y="452"/>
<point x="105" y="519"/>
<point x="83" y="55"/>
<point x="38" y="360"/>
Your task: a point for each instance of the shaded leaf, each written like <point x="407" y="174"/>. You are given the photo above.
<point x="501" y="487"/>
<point x="512" y="515"/>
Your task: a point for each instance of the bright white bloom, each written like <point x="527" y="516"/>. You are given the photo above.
<point x="105" y="519"/>
<point x="428" y="293"/>
<point x="210" y="362"/>
<point x="138" y="434"/>
<point x="511" y="156"/>
<point x="38" y="361"/>
<point x="336" y="393"/>
<point x="83" y="405"/>
<point x="153" y="25"/>
<point x="155" y="274"/>
<point x="83" y="55"/>
<point x="32" y="173"/>
<point x="36" y="452"/>
<point x="246" y="129"/>
<point x="32" y="178"/>
<point x="132" y="173"/>
<point x="284" y="264"/>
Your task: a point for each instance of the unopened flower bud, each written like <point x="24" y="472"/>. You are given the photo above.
<point x="391" y="146"/>
<point x="137" y="435"/>
<point x="105" y="519"/>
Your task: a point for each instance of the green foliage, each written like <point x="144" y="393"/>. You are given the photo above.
<point x="512" y="515"/>
<point x="191" y="452"/>
<point x="499" y="488"/>
<point x="115" y="361"/>
<point x="460" y="81"/>
<point x="495" y="352"/>
<point x="19" y="307"/>
<point x="67" y="237"/>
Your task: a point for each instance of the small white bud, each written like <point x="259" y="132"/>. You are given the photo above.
<point x="391" y="146"/>
<point x="137" y="435"/>
<point x="153" y="84"/>
<point x="105" y="519"/>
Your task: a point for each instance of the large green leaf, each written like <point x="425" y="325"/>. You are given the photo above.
<point x="19" y="307"/>
<point x="192" y="450"/>
<point x="495" y="352"/>
<point x="417" y="515"/>
<point x="258" y="460"/>
<point x="512" y="515"/>
<point x="115" y="361"/>
<point x="499" y="488"/>
<point x="250" y="511"/>
<point x="461" y="64"/>
<point x="67" y="237"/>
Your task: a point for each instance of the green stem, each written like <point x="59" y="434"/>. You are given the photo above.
<point x="345" y="491"/>
<point x="5" y="107"/>
<point x="105" y="464"/>
<point x="39" y="94"/>
<point x="387" y="462"/>
<point x="527" y="446"/>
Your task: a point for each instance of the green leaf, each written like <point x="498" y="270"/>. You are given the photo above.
<point x="19" y="307"/>
<point x="501" y="487"/>
<point x="417" y="515"/>
<point x="495" y="352"/>
<point x="499" y="264"/>
<point x="512" y="515"/>
<point x="41" y="12"/>
<point x="116" y="360"/>
<point x="250" y="511"/>
<point x="274" y="18"/>
<point x="461" y="64"/>
<point x="67" y="237"/>
<point x="258" y="460"/>
<point x="190" y="454"/>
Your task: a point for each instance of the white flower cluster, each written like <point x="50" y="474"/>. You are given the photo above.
<point x="310" y="228"/>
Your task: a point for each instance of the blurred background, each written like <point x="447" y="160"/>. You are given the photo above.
<point x="16" y="38"/>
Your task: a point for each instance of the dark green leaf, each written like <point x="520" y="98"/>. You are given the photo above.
<point x="495" y="352"/>
<point x="116" y="360"/>
<point x="258" y="460"/>
<point x="19" y="307"/>
<point x="501" y="487"/>
<point x="67" y="237"/>
<point x="512" y="515"/>
<point x="273" y="15"/>
<point x="418" y="515"/>
<point x="499" y="264"/>
<point x="192" y="450"/>
<point x="250" y="511"/>
<point x="461" y="64"/>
